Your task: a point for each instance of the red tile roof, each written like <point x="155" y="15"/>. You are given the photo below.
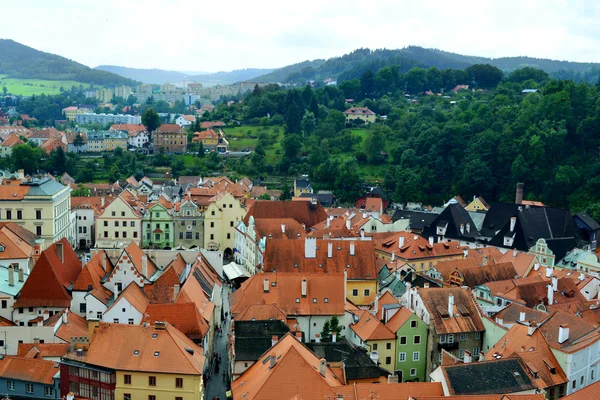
<point x="302" y="211"/>
<point x="183" y="316"/>
<point x="370" y="327"/>
<point x="358" y="111"/>
<point x="590" y="392"/>
<point x="28" y="369"/>
<point x="90" y="278"/>
<point x="465" y="316"/>
<point x="169" y="128"/>
<point x="415" y="247"/>
<point x="41" y="350"/>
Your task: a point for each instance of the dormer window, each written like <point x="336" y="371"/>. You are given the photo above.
<point x="136" y="352"/>
<point x="1" y="248"/>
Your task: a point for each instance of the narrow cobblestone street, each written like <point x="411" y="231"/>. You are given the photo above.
<point x="217" y="383"/>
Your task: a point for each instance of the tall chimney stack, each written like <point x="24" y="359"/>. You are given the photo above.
<point x="266" y="285"/>
<point x="519" y="196"/>
<point x="329" y="250"/>
<point x="11" y="276"/>
<point x="304" y="288"/>
<point x="145" y="266"/>
<point x="451" y="305"/>
<point x="322" y="366"/>
<point x="550" y="294"/>
<point x="21" y="275"/>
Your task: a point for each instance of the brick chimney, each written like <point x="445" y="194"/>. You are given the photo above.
<point x="274" y="340"/>
<point x="299" y="336"/>
<point x="318" y="337"/>
<point x="519" y="195"/>
<point x="21" y="275"/>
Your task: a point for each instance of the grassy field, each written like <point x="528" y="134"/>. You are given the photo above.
<point x="246" y="137"/>
<point x="28" y="87"/>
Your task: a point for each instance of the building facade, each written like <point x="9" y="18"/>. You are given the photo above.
<point x="157" y="227"/>
<point x="188" y="224"/>
<point x="92" y="118"/>
<point x="170" y="137"/>
<point x="118" y="225"/>
<point x="220" y="219"/>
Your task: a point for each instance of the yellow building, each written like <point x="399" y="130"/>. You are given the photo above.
<point x="70" y="113"/>
<point x="104" y="95"/>
<point x="107" y="141"/>
<point x="220" y="219"/>
<point x="301" y="186"/>
<point x="370" y="333"/>
<point x="120" y="222"/>
<point x="478" y="204"/>
<point x="42" y="206"/>
<point x="138" y="362"/>
<point x="360" y="113"/>
<point x="361" y="292"/>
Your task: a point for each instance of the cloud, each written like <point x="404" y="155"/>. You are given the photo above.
<point x="211" y="36"/>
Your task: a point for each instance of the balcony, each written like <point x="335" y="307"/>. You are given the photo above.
<point x="448" y="346"/>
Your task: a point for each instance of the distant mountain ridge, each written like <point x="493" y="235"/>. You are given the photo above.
<point x="353" y="64"/>
<point x="160" y="76"/>
<point x="20" y="61"/>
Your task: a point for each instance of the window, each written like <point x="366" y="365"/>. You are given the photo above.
<point x="475" y="351"/>
<point x="82" y="308"/>
<point x="122" y="213"/>
<point x="443" y="338"/>
<point x="132" y="224"/>
<point x="1" y="342"/>
<point x="477" y="335"/>
<point x="116" y="223"/>
<point x="38" y="230"/>
<point x="116" y="320"/>
<point x="126" y="396"/>
<point x="188" y="235"/>
<point x="416" y="356"/>
<point x="326" y="300"/>
<point x="4" y="304"/>
<point x="212" y="224"/>
<point x="130" y="321"/>
<point x="29" y="387"/>
<point x="451" y="338"/>
<point x="48" y="391"/>
<point x="413" y="324"/>
<point x="581" y="383"/>
<point x="374" y="346"/>
<point x="10" y="385"/>
<point x="354" y="292"/>
<point x="212" y="212"/>
<point x="417" y="339"/>
<point x="461" y="353"/>
<point x="401" y="357"/>
<point x="229" y="236"/>
<point x="178" y="382"/>
<point x="367" y="292"/>
<point x="151" y="397"/>
<point x="402" y="340"/>
<point x="231" y="223"/>
<point x="157" y="237"/>
<point x="8" y="214"/>
<point x="124" y="234"/>
<point x="127" y="379"/>
<point x="116" y="234"/>
<point x="212" y="236"/>
<point x="135" y="235"/>
<point x="38" y="214"/>
<point x="314" y="300"/>
<point x="574" y="385"/>
<point x="197" y="235"/>
<point x="105" y="223"/>
<point x="19" y="214"/>
<point x="388" y="346"/>
<point x="151" y="381"/>
<point x="388" y="360"/>
<point x="178" y="398"/>
<point x="462" y="337"/>
<point x="591" y="376"/>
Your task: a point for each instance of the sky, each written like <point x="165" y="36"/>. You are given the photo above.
<point x="221" y="35"/>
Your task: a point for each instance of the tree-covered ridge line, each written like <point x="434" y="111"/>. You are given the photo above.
<point x="354" y="64"/>
<point x="20" y="61"/>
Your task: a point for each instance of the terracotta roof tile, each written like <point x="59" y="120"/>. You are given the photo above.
<point x="273" y="228"/>
<point x="369" y="327"/>
<point x="261" y="312"/>
<point x="473" y="272"/>
<point x="590" y="392"/>
<point x="302" y="211"/>
<point x="521" y="261"/>
<point x="42" y="350"/>
<point x="414" y="247"/>
<point x="398" y="319"/>
<point x="75" y="326"/>
<point x="183" y="316"/>
<point x="28" y="369"/>
<point x="391" y="391"/>
<point x="135" y="296"/>
<point x="581" y="333"/>
<point x="436" y="301"/>
<point x="90" y="278"/>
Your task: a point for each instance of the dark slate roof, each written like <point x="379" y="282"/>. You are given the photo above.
<point x="253" y="338"/>
<point x="417" y="219"/>
<point x="358" y="365"/>
<point x="377" y="192"/>
<point x="497" y="217"/>
<point x="488" y="377"/>
<point x="387" y="280"/>
<point x="453" y="215"/>
<point x="302" y="183"/>
<point x="326" y="199"/>
<point x="586" y="222"/>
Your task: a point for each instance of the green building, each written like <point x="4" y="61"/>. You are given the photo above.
<point x="411" y="342"/>
<point x="157" y="227"/>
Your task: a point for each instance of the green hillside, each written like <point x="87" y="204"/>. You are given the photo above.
<point x="23" y="62"/>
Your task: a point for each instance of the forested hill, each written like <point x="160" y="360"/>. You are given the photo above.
<point x="20" y="61"/>
<point x="160" y="76"/>
<point x="352" y="65"/>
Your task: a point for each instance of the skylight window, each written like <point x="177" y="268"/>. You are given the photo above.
<point x="156" y="353"/>
<point x="136" y="352"/>
<point x="154" y="335"/>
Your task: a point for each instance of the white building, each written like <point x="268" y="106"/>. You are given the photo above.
<point x="139" y="139"/>
<point x="128" y="308"/>
<point x="92" y="118"/>
<point x="185" y="120"/>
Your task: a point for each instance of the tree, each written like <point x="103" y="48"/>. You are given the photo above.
<point x="293" y="116"/>
<point x="151" y="119"/>
<point x="78" y="141"/>
<point x="81" y="191"/>
<point x="329" y="327"/>
<point x="200" y="149"/>
<point x="485" y="75"/>
<point x="291" y="146"/>
<point x="264" y="196"/>
<point x="59" y="160"/>
<point x="4" y="90"/>
<point x="26" y="157"/>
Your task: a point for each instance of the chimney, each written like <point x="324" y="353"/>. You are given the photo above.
<point x="273" y="361"/>
<point x="82" y="260"/>
<point x="102" y="201"/>
<point x="348" y="223"/>
<point x="550" y="295"/>
<point x="514" y="252"/>
<point x="426" y="285"/>
<point x="21" y="275"/>
<point x="60" y="251"/>
<point x="392" y="378"/>
<point x="329" y="250"/>
<point x="536" y="266"/>
<point x="462" y="229"/>
<point x="175" y="292"/>
<point x="468" y="225"/>
<point x="431" y="241"/>
<point x="393" y="256"/>
<point x="299" y="336"/>
<point x="116" y="291"/>
<point x="11" y="276"/>
<point x="274" y="340"/>
<point x="145" y="266"/>
<point x="522" y="316"/>
<point x="333" y="337"/>
<point x="467" y="358"/>
<point x="555" y="283"/>
<point x="481" y="356"/>
<point x="36" y="340"/>
<point x="499" y="321"/>
<point x="581" y="276"/>
<point x="364" y="215"/>
<point x="451" y="305"/>
<point x="318" y="337"/>
<point x="485" y="260"/>
<point x="549" y="271"/>
<point x="531" y="329"/>
<point x="266" y="285"/>
<point x="282" y="228"/>
<point x="65" y="316"/>
<point x="563" y="333"/>
<point x="303" y="287"/>
<point x="466" y="252"/>
<point x="352" y="248"/>
<point x="104" y="260"/>
<point x="326" y="223"/>
<point x="513" y="222"/>
<point x="322" y="366"/>
<point x="362" y="233"/>
<point x="310" y="248"/>
<point x="401" y="242"/>
<point x="519" y="195"/>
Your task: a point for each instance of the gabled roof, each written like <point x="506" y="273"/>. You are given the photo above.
<point x="162" y="290"/>
<point x="474" y="272"/>
<point x="28" y="369"/>
<point x="302" y="211"/>
<point x="42" y="350"/>
<point x="287" y="369"/>
<point x="261" y="312"/>
<point x="512" y="314"/>
<point x="581" y="332"/>
<point x="499" y="376"/>
<point x="254" y="338"/>
<point x="183" y="316"/>
<point x="520" y="260"/>
<point x="399" y="319"/>
<point x="288" y="255"/>
<point x="465" y="316"/>
<point x="52" y="277"/>
<point x="75" y="326"/>
<point x="584" y="221"/>
<point x="453" y="218"/>
<point x="590" y="392"/>
<point x="274" y="228"/>
<point x="91" y="276"/>
<point x="285" y="292"/>
<point x="135" y="254"/>
<point x="169" y="128"/>
<point x="417" y="219"/>
<point x="358" y="111"/>
<point x="414" y="247"/>
<point x="369" y="327"/>
<point x="114" y="346"/>
<point x="11" y="141"/>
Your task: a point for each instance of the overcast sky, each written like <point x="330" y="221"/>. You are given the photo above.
<point x="204" y="35"/>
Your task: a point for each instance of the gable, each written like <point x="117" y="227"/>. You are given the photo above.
<point x="124" y="272"/>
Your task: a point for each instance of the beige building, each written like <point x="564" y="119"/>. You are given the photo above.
<point x="120" y="223"/>
<point x="104" y="95"/>
<point x="362" y="113"/>
<point x="42" y="206"/>
<point x="220" y="219"/>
